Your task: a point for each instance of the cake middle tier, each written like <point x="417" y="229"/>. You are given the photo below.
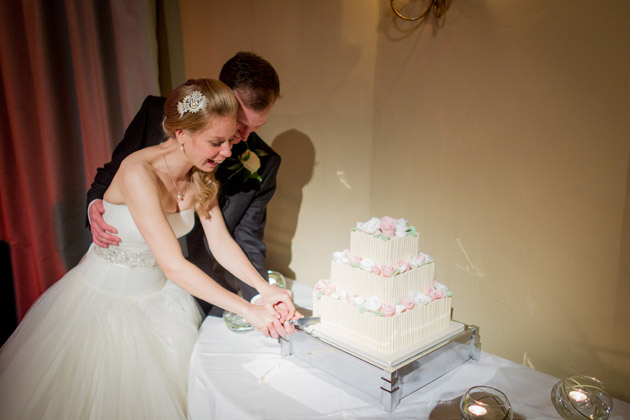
<point x="356" y="281"/>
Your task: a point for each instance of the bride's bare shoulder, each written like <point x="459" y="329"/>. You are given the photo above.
<point x="139" y="164"/>
<point x="145" y="154"/>
<point x="143" y="158"/>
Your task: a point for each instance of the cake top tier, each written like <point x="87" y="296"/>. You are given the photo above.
<point x="386" y="228"/>
<point x="384" y="240"/>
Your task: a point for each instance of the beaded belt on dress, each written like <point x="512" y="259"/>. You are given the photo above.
<point x="126" y="257"/>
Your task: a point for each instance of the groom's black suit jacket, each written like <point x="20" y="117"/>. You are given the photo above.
<point x="243" y="203"/>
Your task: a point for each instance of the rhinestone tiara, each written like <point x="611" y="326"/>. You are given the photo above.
<point x="193" y="102"/>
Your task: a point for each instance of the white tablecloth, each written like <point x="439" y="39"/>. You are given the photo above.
<point x="243" y="376"/>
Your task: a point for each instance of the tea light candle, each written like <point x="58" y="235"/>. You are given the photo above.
<point x="477" y="410"/>
<point x="578" y="396"/>
<point x="484" y="402"/>
<point x="582" y="397"/>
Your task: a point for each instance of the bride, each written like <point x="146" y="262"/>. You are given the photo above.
<point x="113" y="337"/>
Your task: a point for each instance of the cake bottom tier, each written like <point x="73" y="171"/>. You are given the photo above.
<point x="379" y="334"/>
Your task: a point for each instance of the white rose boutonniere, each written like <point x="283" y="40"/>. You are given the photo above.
<point x="250" y="161"/>
<point x="247" y="163"/>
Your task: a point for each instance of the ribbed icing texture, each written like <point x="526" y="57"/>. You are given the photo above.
<point x="381" y="334"/>
<point x="383" y="251"/>
<point x="388" y="289"/>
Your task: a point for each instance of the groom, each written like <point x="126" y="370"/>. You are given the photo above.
<point x="247" y="178"/>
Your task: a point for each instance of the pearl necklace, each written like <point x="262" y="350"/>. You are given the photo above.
<point x="180" y="195"/>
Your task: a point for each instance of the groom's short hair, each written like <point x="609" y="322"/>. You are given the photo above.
<point x="254" y="78"/>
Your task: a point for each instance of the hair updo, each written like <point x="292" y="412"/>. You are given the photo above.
<point x="220" y="102"/>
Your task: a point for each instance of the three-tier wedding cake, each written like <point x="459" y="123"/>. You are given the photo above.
<point x="381" y="297"/>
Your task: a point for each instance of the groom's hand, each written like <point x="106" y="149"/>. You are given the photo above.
<point x="102" y="233"/>
<point x="280" y="327"/>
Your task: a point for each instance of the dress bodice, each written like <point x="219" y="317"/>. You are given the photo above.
<point x="119" y="216"/>
<point x="130" y="267"/>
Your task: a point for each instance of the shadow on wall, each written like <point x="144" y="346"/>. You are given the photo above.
<point x="619" y="354"/>
<point x="296" y="170"/>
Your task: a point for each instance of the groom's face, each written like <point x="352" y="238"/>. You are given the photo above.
<point x="248" y="120"/>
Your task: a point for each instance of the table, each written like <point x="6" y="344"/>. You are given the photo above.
<point x="243" y="376"/>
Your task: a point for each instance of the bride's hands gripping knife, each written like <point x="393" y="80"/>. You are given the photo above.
<point x="278" y="302"/>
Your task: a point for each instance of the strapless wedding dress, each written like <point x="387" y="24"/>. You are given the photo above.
<point x="110" y="340"/>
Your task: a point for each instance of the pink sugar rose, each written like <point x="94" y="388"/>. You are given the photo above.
<point x="321" y="285"/>
<point x="350" y="299"/>
<point x="329" y="289"/>
<point x="387" y="270"/>
<point x="434" y="293"/>
<point x="388" y="309"/>
<point x="403" y="266"/>
<point x="388" y="227"/>
<point x="407" y="303"/>
<point x="376" y="270"/>
<point x="355" y="260"/>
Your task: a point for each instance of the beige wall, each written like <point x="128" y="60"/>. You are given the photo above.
<point x="500" y="132"/>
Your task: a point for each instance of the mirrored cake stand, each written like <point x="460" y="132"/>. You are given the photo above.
<point x="386" y="379"/>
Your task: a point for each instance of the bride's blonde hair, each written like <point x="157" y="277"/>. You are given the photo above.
<point x="219" y="102"/>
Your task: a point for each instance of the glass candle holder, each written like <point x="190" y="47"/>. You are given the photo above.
<point x="236" y="323"/>
<point x="582" y="397"/>
<point x="485" y="403"/>
<point x="277" y="279"/>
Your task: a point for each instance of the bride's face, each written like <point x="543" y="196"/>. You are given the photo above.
<point x="209" y="147"/>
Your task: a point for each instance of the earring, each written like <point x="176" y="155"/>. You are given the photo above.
<point x="181" y="147"/>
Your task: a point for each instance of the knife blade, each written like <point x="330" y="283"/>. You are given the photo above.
<point x="305" y="324"/>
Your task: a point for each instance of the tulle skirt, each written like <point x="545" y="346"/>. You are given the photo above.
<point x="104" y="342"/>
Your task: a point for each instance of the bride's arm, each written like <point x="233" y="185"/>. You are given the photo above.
<point x="230" y="255"/>
<point x="137" y="188"/>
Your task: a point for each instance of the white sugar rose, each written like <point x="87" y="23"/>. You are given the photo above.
<point x="367" y="264"/>
<point x="250" y="161"/>
<point x="439" y="286"/>
<point x="358" y="301"/>
<point x="417" y="261"/>
<point x="373" y="304"/>
<point x="401" y="227"/>
<point x="371" y="226"/>
<point x="341" y="257"/>
<point x="419" y="298"/>
<point x="427" y="258"/>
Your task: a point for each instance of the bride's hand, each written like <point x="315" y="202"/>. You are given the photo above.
<point x="260" y="318"/>
<point x="267" y="323"/>
<point x="282" y="326"/>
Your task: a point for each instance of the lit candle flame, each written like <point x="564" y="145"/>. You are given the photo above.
<point x="477" y="410"/>
<point x="578" y="396"/>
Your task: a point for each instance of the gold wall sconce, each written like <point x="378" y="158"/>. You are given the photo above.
<point x="438" y="7"/>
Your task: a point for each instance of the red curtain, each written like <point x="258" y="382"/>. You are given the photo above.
<point x="72" y="74"/>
